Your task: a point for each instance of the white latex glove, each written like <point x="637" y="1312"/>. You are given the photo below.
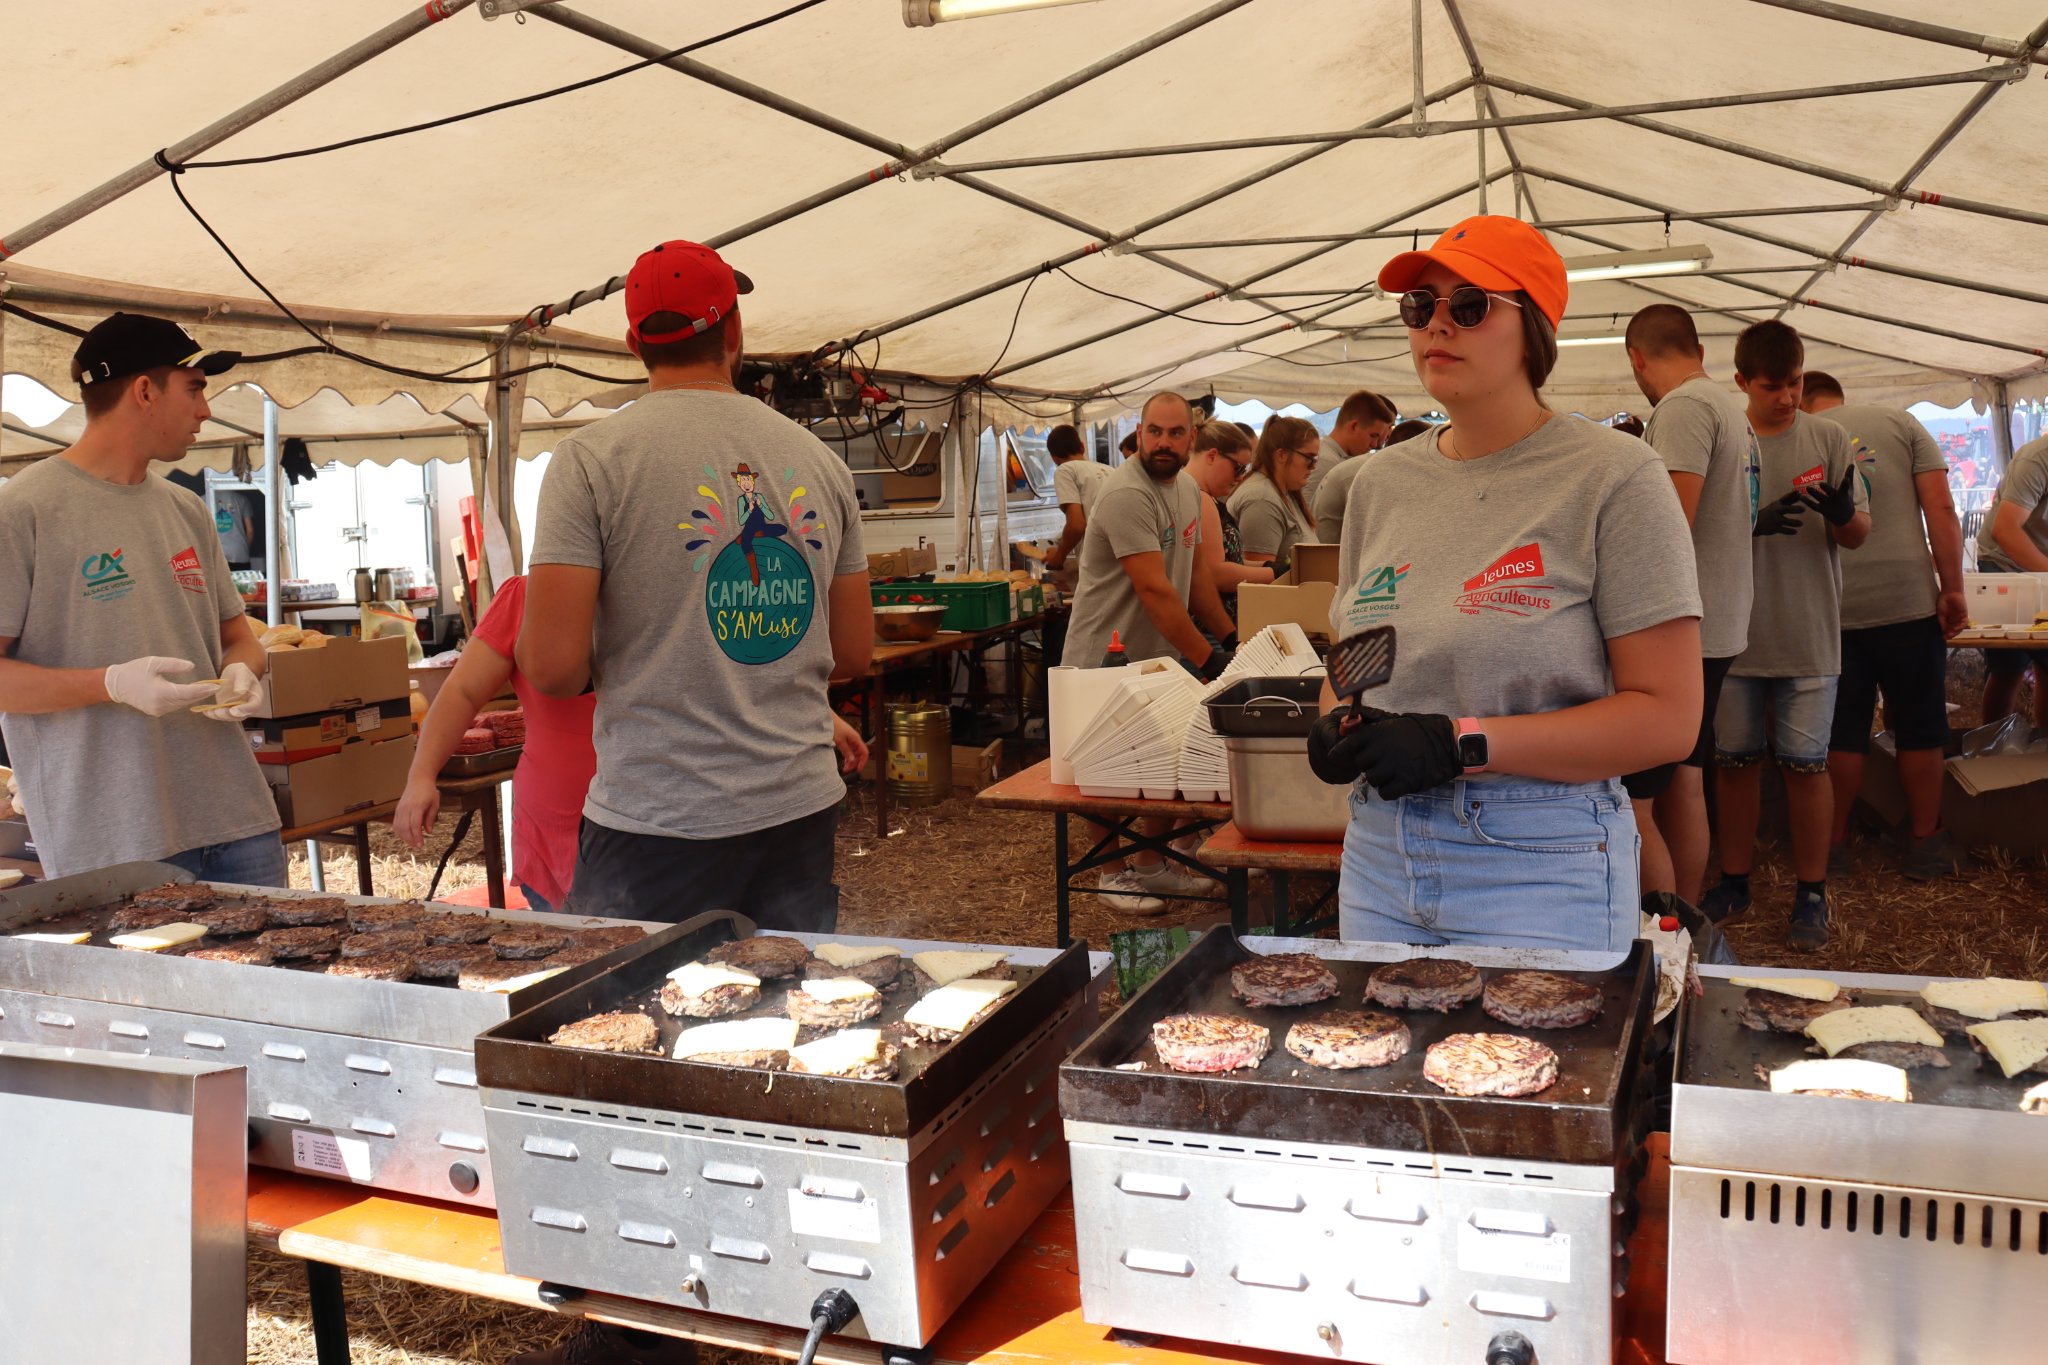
<point x="240" y="685"/>
<point x="13" y="795"/>
<point x="145" y="685"/>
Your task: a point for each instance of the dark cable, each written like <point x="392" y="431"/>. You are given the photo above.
<point x="1318" y="364"/>
<point x="1019" y="313"/>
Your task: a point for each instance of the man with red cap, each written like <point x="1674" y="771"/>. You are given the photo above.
<point x="698" y="561"/>
<point x="1538" y="570"/>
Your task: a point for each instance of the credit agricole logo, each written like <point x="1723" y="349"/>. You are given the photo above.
<point x="105" y="578"/>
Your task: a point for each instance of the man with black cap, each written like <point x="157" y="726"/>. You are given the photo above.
<point x="698" y="560"/>
<point x="117" y="618"/>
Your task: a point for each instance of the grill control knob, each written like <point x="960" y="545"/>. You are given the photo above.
<point x="464" y="1178"/>
<point x="1510" y="1348"/>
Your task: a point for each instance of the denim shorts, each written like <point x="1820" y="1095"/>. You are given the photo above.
<point x="1506" y="862"/>
<point x="255" y="861"/>
<point x="1801" y="721"/>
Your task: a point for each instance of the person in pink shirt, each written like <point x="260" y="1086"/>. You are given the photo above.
<point x="555" y="766"/>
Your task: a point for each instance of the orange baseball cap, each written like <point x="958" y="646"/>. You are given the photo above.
<point x="1492" y="252"/>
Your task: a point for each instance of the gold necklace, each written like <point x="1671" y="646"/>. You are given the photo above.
<point x="1460" y="456"/>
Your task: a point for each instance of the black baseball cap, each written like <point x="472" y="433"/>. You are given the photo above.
<point x="130" y="343"/>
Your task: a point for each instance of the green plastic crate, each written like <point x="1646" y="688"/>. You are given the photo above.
<point x="969" y="606"/>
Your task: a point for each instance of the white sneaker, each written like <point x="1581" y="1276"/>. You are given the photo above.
<point x="1171" y="879"/>
<point x="1124" y="892"/>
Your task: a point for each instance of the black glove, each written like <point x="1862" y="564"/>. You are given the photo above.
<point x="1781" y="518"/>
<point x="1333" y="748"/>
<point x="1213" y="666"/>
<point x="1836" y="502"/>
<point x="1400" y="753"/>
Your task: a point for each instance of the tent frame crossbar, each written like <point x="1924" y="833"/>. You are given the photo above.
<point x="1620" y="220"/>
<point x="2013" y="49"/>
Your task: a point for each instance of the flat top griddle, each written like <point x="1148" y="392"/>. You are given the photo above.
<point x="516" y="1055"/>
<point x="1719" y="1051"/>
<point x="1581" y="1118"/>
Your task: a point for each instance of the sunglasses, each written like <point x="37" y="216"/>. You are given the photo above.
<point x="1469" y="305"/>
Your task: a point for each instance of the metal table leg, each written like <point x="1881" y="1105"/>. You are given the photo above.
<point x="1237" y="882"/>
<point x="1283" y="901"/>
<point x="313" y="866"/>
<point x="494" y="849"/>
<point x="330" y="1323"/>
<point x="877" y="718"/>
<point x="1061" y="937"/>
<point x="365" y="885"/>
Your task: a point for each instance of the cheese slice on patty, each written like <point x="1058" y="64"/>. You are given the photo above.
<point x="838" y="1053"/>
<point x="81" y="936"/>
<point x="945" y="966"/>
<point x="1804" y="987"/>
<point x="701" y="978"/>
<point x="2015" y="1044"/>
<point x="1990" y="998"/>
<point x="837" y="989"/>
<point x="9" y="876"/>
<point x="513" y="984"/>
<point x="157" y="939"/>
<point x="846" y="955"/>
<point x="1871" y="1024"/>
<point x="951" y="1009"/>
<point x="1847" y="1073"/>
<point x="736" y="1035"/>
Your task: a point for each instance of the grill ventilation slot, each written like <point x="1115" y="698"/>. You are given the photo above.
<point x="1906" y="1217"/>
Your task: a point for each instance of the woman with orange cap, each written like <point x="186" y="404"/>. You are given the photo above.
<point x="1539" y="571"/>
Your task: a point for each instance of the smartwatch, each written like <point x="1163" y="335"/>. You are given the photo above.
<point x="1471" y="745"/>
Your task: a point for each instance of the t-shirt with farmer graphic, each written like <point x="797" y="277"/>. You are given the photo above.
<point x="717" y="526"/>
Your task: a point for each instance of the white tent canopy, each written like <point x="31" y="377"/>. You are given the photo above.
<point x="1911" y="277"/>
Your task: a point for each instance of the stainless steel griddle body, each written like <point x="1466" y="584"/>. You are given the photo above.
<point x="1830" y="1230"/>
<point x="372" y="1082"/>
<point x="1359" y="1215"/>
<point x="748" y="1193"/>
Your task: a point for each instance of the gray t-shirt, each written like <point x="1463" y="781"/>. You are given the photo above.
<point x="1890" y="576"/>
<point x="2025" y="486"/>
<point x="1268" y="521"/>
<point x="718" y="526"/>
<point x="1795" y="628"/>
<point x="95" y="573"/>
<point x="1135" y="514"/>
<point x="1079" y="481"/>
<point x="1701" y="428"/>
<point x="1327" y="502"/>
<point x="1330" y="457"/>
<point x="1504" y="603"/>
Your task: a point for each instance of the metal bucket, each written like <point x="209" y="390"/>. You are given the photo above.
<point x="919" y="765"/>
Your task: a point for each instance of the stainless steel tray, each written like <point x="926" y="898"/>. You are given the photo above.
<point x="473" y="765"/>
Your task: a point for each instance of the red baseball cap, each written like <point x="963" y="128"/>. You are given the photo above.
<point x="683" y="287"/>
<point x="1492" y="252"/>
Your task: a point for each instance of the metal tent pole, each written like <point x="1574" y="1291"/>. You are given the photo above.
<point x="1913" y="28"/>
<point x="416" y="19"/>
<point x="931" y="150"/>
<point x="273" y="484"/>
<point x="1415" y="61"/>
<point x="1507" y="144"/>
<point x="2001" y="425"/>
<point x="1402" y="234"/>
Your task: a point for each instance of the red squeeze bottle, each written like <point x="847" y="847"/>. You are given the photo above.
<point x="1114" y="656"/>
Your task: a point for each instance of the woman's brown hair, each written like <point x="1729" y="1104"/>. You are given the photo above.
<point x="1221" y="436"/>
<point x="1283" y="434"/>
<point x="1539" y="344"/>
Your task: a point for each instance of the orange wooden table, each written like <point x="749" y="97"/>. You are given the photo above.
<point x="1027" y="1312"/>
<point x="1230" y="849"/>
<point x="1034" y="789"/>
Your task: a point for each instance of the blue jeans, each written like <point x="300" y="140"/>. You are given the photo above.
<point x="255" y="861"/>
<point x="1802" y="719"/>
<point x="1510" y="862"/>
<point x="536" y="901"/>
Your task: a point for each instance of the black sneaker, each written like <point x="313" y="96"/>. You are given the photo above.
<point x="597" y="1343"/>
<point x="1809" y="931"/>
<point x="1937" y="856"/>
<point x="1725" y="900"/>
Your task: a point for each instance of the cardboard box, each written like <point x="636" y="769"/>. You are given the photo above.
<point x="975" y="768"/>
<point x="899" y="490"/>
<point x="908" y="562"/>
<point x="294" y="739"/>
<point x="345" y="675"/>
<point x="2000" y="801"/>
<point x="887" y="564"/>
<point x="362" y="775"/>
<point x="1301" y="596"/>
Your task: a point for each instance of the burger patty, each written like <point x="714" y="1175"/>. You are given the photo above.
<point x="307" y="940"/>
<point x="1541" y="1000"/>
<point x="375" y="967"/>
<point x="932" y="1033"/>
<point x="1345" y="1039"/>
<point x="493" y="973"/>
<point x="1210" y="1042"/>
<point x="572" y="956"/>
<point x="1772" y="1012"/>
<point x="606" y="936"/>
<point x="1906" y="1055"/>
<point x="1282" y="979"/>
<point x="247" y="954"/>
<point x="442" y="961"/>
<point x="715" y="1003"/>
<point x="298" y="912"/>
<point x="232" y="917"/>
<point x="1848" y="1095"/>
<point x="882" y="1067"/>
<point x="370" y="919"/>
<point x="1425" y="983"/>
<point x="527" y="942"/>
<point x="1956" y="1025"/>
<point x="882" y="973"/>
<point x="408" y="941"/>
<point x="925" y="985"/>
<point x="810" y="1012"/>
<point x="451" y="929"/>
<point x="758" y="1060"/>
<point x="1490" y="1064"/>
<point x="131" y="919"/>
<point x="768" y="956"/>
<point x="621" y="1031"/>
<point x="184" y="897"/>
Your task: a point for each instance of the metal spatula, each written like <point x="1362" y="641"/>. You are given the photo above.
<point x="1358" y="663"/>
